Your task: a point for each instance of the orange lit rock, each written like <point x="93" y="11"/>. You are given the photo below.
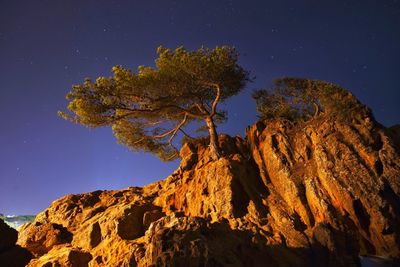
<point x="39" y="238"/>
<point x="317" y="193"/>
<point x="64" y="256"/>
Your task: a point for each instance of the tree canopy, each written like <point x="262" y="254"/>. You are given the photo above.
<point x="148" y="108"/>
<point x="301" y="99"/>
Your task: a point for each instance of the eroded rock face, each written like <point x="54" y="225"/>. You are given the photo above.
<point x="319" y="193"/>
<point x="192" y="241"/>
<point x="211" y="189"/>
<point x="63" y="256"/>
<point x="345" y="177"/>
<point x="40" y="237"/>
<point x="99" y="228"/>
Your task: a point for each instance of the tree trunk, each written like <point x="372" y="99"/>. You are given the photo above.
<point x="214" y="143"/>
<point x="316" y="109"/>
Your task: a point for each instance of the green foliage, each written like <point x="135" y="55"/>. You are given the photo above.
<point x="301" y="99"/>
<point x="148" y="108"/>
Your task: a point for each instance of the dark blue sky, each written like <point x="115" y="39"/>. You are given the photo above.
<point x="46" y="46"/>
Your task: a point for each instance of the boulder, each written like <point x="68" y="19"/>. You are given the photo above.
<point x="40" y="238"/>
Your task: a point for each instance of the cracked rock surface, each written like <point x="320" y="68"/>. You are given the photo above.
<point x="316" y="193"/>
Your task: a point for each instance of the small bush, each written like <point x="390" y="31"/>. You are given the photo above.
<point x="301" y="99"/>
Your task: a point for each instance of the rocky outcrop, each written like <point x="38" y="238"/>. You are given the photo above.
<point x="316" y="193"/>
<point x="103" y="226"/>
<point x="43" y="237"/>
<point x="11" y="255"/>
<point x="338" y="184"/>
<point x="179" y="240"/>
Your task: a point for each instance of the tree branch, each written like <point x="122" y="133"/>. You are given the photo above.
<point x="186" y="134"/>
<point x="136" y="110"/>
<point x="316" y="109"/>
<point x="173" y="130"/>
<point x="215" y="102"/>
<point x="138" y="141"/>
<point x="177" y="128"/>
<point x="202" y="109"/>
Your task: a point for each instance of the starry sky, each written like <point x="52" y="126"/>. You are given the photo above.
<point x="46" y="46"/>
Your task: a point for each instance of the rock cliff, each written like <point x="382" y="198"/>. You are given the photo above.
<point x="316" y="193"/>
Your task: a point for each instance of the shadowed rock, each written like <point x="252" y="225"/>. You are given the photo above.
<point x="11" y="255"/>
<point x="9" y="236"/>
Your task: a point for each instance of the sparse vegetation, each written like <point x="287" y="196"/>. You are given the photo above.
<point x="297" y="99"/>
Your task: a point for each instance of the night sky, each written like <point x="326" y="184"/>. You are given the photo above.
<point x="47" y="46"/>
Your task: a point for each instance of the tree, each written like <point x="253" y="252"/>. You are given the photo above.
<point x="301" y="99"/>
<point x="147" y="109"/>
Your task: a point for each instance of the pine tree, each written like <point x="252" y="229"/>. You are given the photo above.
<point x="302" y="99"/>
<point x="148" y="108"/>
